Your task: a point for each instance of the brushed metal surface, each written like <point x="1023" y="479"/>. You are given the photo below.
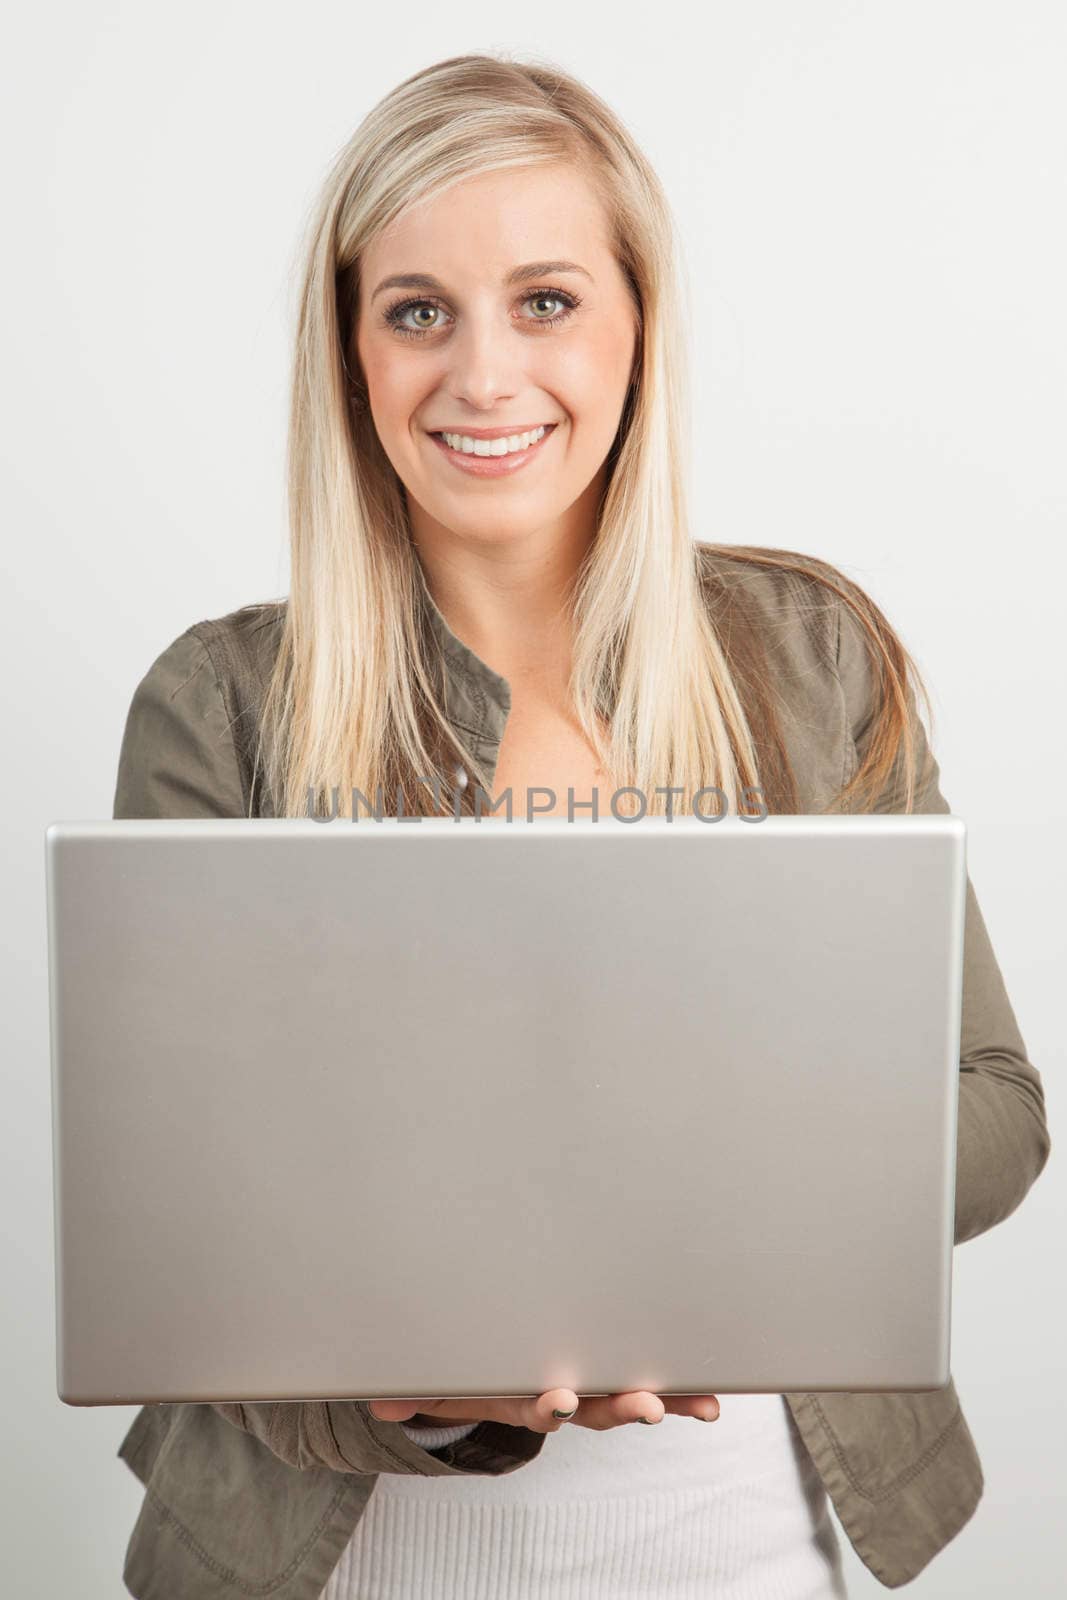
<point x="354" y="1110"/>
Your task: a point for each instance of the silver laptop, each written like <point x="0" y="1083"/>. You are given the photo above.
<point x="353" y="1110"/>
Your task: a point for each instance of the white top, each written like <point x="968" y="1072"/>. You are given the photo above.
<point x="684" y="1509"/>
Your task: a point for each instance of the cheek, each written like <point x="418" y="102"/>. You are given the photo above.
<point x="595" y="396"/>
<point x="594" y="377"/>
<point x="395" y="398"/>
<point x="388" y="374"/>
<point x="385" y="380"/>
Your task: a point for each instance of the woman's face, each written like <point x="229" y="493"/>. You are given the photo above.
<point x="528" y="324"/>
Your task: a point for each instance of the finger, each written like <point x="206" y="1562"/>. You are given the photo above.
<point x="537" y="1412"/>
<point x="705" y="1406"/>
<point x="399" y="1410"/>
<point x="613" y="1410"/>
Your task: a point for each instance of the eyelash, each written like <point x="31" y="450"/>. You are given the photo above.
<point x="392" y="315"/>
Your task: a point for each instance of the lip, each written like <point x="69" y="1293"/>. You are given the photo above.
<point x="492" y="466"/>
<point x="496" y="433"/>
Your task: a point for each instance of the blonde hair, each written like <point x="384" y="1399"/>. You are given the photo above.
<point x="352" y="700"/>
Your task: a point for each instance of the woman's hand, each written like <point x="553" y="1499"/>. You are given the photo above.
<point x="539" y="1412"/>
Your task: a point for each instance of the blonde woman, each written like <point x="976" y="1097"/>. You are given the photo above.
<point x="492" y="258"/>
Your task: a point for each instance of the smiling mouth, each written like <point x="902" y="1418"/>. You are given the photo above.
<point x="496" y="446"/>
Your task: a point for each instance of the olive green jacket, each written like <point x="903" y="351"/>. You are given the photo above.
<point x="261" y="1499"/>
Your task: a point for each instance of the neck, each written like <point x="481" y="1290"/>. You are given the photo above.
<point x="509" y="602"/>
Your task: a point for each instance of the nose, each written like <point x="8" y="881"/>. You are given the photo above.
<point x="485" y="365"/>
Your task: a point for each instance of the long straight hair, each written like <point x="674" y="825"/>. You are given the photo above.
<point x="354" y="697"/>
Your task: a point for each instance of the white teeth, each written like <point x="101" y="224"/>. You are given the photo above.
<point x="493" y="447"/>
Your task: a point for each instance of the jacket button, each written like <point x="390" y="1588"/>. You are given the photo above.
<point x="459" y="773"/>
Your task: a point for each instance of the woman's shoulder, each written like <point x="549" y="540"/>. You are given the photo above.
<point x="800" y="627"/>
<point x="226" y="657"/>
<point x="243" y="645"/>
<point x="223" y="659"/>
<point x="242" y="642"/>
<point x="249" y="630"/>
<point x="192" y="718"/>
<point x="791" y="602"/>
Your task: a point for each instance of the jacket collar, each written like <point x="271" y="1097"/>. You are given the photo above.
<point x="477" y="700"/>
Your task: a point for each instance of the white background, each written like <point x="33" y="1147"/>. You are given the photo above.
<point x="872" y="202"/>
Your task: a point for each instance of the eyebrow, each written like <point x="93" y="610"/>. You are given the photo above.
<point x="532" y="269"/>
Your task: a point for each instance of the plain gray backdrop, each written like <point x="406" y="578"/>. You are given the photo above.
<point x="872" y="201"/>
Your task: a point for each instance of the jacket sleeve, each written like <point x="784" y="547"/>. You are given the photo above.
<point x="178" y="759"/>
<point x="1002" y="1134"/>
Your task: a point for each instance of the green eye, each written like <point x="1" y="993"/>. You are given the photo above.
<point x="394" y="314"/>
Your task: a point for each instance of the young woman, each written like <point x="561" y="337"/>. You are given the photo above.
<point x="493" y="260"/>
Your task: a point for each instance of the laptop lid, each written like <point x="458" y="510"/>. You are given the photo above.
<point x="362" y="1110"/>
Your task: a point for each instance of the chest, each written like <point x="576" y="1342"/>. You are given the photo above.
<point x="543" y="749"/>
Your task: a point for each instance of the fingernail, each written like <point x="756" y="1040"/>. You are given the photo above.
<point x="647" y="1421"/>
<point x="565" y="1414"/>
